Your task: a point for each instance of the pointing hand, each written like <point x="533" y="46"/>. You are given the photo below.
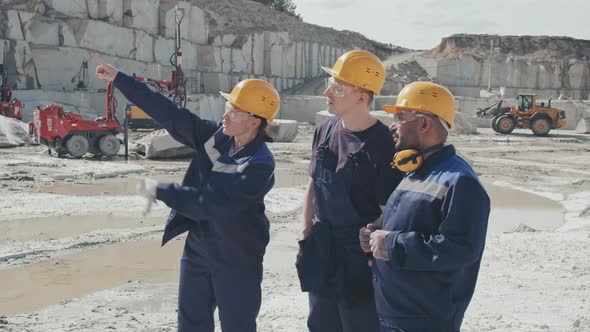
<point x="104" y="71"/>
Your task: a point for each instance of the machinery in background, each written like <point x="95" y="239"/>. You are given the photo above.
<point x="526" y="114"/>
<point x="68" y="133"/>
<point x="138" y="119"/>
<point x="175" y="89"/>
<point x="9" y="106"/>
<point x="81" y="77"/>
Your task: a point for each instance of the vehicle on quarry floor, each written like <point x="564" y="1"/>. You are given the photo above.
<point x="526" y="114"/>
<point x="68" y="133"/>
<point x="138" y="119"/>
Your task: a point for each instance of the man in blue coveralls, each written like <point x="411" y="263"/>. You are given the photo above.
<point x="429" y="248"/>
<point x="220" y="202"/>
<point x="351" y="180"/>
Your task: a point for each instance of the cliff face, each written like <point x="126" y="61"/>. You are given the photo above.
<point x="223" y="42"/>
<point x="549" y="66"/>
<point x="534" y="48"/>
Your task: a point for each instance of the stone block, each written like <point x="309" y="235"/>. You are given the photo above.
<point x="224" y="40"/>
<point x="13" y="133"/>
<point x="276" y="54"/>
<point x="302" y="108"/>
<point x="93" y="9"/>
<point x="211" y="107"/>
<point x="64" y="64"/>
<point x="42" y="31"/>
<point x="67" y="36"/>
<point x="314" y="69"/>
<point x="299" y="60"/>
<point x="111" y="11"/>
<point x="289" y="60"/>
<point x="189" y="56"/>
<point x="168" y="22"/>
<point x="163" y="48"/>
<point x="242" y="57"/>
<point x="144" y="46"/>
<point x="578" y="75"/>
<point x="214" y="82"/>
<point x="197" y="26"/>
<point x="258" y="53"/>
<point x="71" y="8"/>
<point x="104" y="37"/>
<point x="208" y="58"/>
<point x="141" y="14"/>
<point x="15" y="31"/>
<point x="26" y="77"/>
<point x="160" y="144"/>
<point x="583" y="126"/>
<point x="283" y="130"/>
<point x="225" y="59"/>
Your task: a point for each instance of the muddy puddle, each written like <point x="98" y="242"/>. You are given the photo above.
<point x="43" y="284"/>
<point x="284" y="177"/>
<point x="512" y="207"/>
<point x="42" y="229"/>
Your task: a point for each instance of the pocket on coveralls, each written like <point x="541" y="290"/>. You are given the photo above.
<point x="313" y="258"/>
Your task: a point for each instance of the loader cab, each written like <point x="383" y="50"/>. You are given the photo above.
<point x="525" y="102"/>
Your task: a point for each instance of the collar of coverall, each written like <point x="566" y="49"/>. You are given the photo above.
<point x="248" y="149"/>
<point x="436" y="158"/>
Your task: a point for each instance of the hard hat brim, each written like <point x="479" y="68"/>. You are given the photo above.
<point x="393" y="108"/>
<point x="329" y="71"/>
<point x="227" y="96"/>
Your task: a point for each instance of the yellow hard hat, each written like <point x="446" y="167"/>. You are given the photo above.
<point x="426" y="97"/>
<point x="256" y="97"/>
<point x="360" y="68"/>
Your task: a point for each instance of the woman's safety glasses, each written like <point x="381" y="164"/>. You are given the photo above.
<point x="234" y="115"/>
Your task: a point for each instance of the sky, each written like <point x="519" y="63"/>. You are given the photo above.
<point x="420" y="24"/>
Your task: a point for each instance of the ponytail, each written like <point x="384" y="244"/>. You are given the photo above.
<point x="263" y="130"/>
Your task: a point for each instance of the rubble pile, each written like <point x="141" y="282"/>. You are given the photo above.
<point x="13" y="133"/>
<point x="408" y="72"/>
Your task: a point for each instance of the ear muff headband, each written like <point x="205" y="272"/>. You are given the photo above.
<point x="411" y="160"/>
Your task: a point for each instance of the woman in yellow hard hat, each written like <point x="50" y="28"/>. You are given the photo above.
<point x="220" y="201"/>
<point x="350" y="180"/>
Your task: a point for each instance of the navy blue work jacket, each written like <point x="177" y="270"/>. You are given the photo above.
<point x="438" y="219"/>
<point x="222" y="195"/>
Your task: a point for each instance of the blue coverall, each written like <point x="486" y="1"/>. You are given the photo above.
<point x="221" y="205"/>
<point x="331" y="264"/>
<point x="438" y="217"/>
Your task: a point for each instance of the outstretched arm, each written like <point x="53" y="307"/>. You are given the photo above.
<point x="186" y="127"/>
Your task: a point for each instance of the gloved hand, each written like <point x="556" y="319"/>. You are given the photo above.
<point x="147" y="189"/>
<point x="365" y="236"/>
<point x="377" y="243"/>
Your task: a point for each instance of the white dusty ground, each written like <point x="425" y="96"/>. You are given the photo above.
<point x="76" y="254"/>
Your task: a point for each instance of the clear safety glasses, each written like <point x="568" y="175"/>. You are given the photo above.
<point x="405" y="116"/>
<point x="337" y="89"/>
<point x="234" y="115"/>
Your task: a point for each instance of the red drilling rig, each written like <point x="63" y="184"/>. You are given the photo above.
<point x="68" y="133"/>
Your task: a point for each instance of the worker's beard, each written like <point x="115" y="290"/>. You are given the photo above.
<point x="409" y="140"/>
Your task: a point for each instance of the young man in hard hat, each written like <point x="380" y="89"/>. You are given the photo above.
<point x="428" y="251"/>
<point x="220" y="202"/>
<point x="351" y="180"/>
